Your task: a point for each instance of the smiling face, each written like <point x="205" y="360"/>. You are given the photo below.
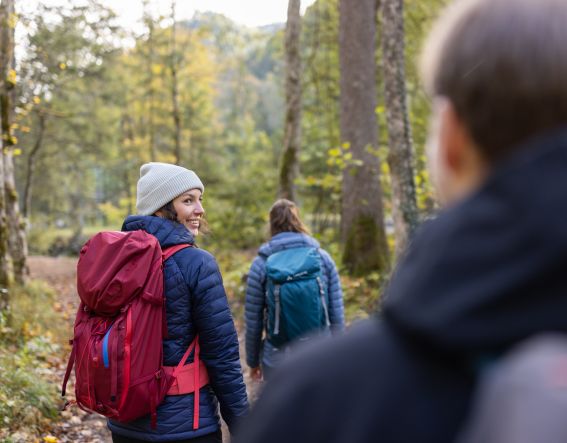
<point x="189" y="209"/>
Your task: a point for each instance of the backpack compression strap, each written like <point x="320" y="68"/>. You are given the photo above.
<point x="278" y="302"/>
<point x="71" y="361"/>
<point x="323" y="302"/>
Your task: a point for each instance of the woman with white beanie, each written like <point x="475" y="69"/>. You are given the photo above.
<point x="169" y="205"/>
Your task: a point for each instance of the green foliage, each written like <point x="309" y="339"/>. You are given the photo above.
<point x="234" y="266"/>
<point x="361" y="295"/>
<point x="320" y="157"/>
<point x="105" y="103"/>
<point x="44" y="240"/>
<point x="40" y="240"/>
<point x="419" y="16"/>
<point x="28" y="354"/>
<point x="114" y="215"/>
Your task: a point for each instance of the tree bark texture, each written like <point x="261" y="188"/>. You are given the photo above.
<point x="17" y="241"/>
<point x="289" y="169"/>
<point x="17" y="244"/>
<point x="362" y="223"/>
<point x="6" y="87"/>
<point x="400" y="155"/>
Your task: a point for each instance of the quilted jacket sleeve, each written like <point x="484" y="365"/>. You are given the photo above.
<point x="218" y="338"/>
<point x="336" y="307"/>
<point x="254" y="311"/>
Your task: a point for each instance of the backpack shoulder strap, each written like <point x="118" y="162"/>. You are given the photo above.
<point x="168" y="252"/>
<point x="70" y="364"/>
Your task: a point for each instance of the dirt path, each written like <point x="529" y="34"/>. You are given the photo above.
<point x="76" y="425"/>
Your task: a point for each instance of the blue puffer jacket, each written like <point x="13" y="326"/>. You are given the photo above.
<point x="256" y="290"/>
<point x="195" y="303"/>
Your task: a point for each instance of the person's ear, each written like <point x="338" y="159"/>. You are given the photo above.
<point x="454" y="140"/>
<point x="462" y="165"/>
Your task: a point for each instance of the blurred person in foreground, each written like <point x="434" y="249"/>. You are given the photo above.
<point x="487" y="273"/>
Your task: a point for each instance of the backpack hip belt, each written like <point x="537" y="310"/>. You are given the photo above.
<point x="189" y="378"/>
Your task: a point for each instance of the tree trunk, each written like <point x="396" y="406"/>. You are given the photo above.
<point x="362" y="223"/>
<point x="17" y="242"/>
<point x="174" y="91"/>
<point x="289" y="169"/>
<point x="6" y="87"/>
<point x="31" y="166"/>
<point x="400" y="156"/>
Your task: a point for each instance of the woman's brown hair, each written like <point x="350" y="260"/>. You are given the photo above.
<point x="284" y="217"/>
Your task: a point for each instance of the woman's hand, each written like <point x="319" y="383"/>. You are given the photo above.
<point x="256" y="373"/>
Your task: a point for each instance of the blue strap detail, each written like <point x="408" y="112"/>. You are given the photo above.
<point x="105" y="348"/>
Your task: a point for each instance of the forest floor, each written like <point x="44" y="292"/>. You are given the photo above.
<point x="75" y="425"/>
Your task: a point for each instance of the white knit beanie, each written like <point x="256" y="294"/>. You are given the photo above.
<point x="160" y="183"/>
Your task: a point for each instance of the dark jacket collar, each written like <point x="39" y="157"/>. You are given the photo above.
<point x="167" y="232"/>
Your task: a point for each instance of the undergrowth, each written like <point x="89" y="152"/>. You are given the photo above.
<point x="30" y="334"/>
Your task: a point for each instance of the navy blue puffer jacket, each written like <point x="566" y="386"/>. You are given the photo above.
<point x="196" y="303"/>
<point x="256" y="289"/>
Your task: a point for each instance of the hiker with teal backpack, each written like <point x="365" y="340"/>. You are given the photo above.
<point x="293" y="292"/>
<point x="174" y="312"/>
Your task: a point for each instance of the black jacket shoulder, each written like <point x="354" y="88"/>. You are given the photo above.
<point x="365" y="386"/>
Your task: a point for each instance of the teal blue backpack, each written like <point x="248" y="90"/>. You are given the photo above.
<point x="296" y="296"/>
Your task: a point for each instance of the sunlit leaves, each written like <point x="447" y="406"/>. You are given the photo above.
<point x="334" y="152"/>
<point x="13" y="20"/>
<point x="11" y="77"/>
<point x="157" y="69"/>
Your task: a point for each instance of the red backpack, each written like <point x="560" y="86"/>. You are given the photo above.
<point x="119" y="328"/>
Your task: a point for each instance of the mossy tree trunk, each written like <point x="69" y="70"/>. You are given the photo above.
<point x="17" y="239"/>
<point x="289" y="168"/>
<point x="17" y="244"/>
<point x="362" y="216"/>
<point x="7" y="82"/>
<point x="400" y="155"/>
